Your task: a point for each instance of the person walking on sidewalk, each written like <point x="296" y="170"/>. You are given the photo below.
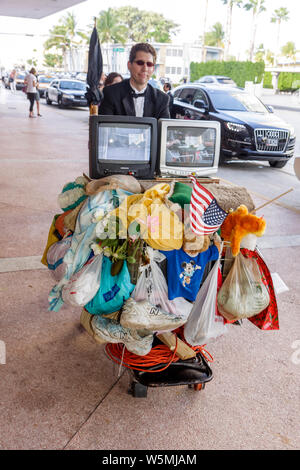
<point x="12" y="80"/>
<point x="30" y="81"/>
<point x="37" y="97"/>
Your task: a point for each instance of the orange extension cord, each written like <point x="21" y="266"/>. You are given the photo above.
<point x="159" y="354"/>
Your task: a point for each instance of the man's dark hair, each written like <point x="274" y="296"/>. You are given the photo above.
<point x="142" y="46"/>
<point x="168" y="85"/>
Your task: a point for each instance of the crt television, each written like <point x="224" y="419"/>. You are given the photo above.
<point x="122" y="145"/>
<point x="187" y="146"/>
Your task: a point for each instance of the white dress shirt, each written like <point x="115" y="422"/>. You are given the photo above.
<point x="139" y="102"/>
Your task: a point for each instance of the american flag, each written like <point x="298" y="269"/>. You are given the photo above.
<point x="206" y="215"/>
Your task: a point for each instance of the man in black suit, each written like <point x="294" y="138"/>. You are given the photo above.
<point x="167" y="89"/>
<point x="134" y="97"/>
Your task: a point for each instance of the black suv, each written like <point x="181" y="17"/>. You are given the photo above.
<point x="249" y="129"/>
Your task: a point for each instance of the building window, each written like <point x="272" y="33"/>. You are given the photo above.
<point x="178" y="70"/>
<point x="180" y="52"/>
<point x="174" y="52"/>
<point x="173" y="70"/>
<point x="169" y="52"/>
<point x="168" y="70"/>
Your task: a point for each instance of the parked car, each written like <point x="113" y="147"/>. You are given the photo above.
<point x="44" y="82"/>
<point x="81" y="76"/>
<point x="249" y="129"/>
<point x="66" y="93"/>
<point x="219" y="80"/>
<point x="20" y="77"/>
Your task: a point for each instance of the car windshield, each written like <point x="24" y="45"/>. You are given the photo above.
<point x="72" y="86"/>
<point x="225" y="81"/>
<point x="236" y="101"/>
<point x="45" y="79"/>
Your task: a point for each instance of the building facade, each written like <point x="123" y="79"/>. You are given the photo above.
<point x="173" y="60"/>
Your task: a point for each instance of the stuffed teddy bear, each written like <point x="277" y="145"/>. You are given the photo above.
<point x="238" y="224"/>
<point x="194" y="244"/>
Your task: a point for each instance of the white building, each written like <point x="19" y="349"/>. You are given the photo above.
<point x="173" y="60"/>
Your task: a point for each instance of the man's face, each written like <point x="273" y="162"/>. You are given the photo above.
<point x="140" y="74"/>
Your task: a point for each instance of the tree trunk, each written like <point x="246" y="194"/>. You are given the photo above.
<point x="228" y="30"/>
<point x="203" y="31"/>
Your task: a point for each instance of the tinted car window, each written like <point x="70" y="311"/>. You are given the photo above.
<point x="226" y="81"/>
<point x="200" y="95"/>
<point x="177" y="93"/>
<point x="45" y="79"/>
<point x="187" y="95"/>
<point x="72" y="86"/>
<point x="235" y="101"/>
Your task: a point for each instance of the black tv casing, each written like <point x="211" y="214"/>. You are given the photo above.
<point x="100" y="170"/>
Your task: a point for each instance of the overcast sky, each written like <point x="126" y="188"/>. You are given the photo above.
<point x="188" y="14"/>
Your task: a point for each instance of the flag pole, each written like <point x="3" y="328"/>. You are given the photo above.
<point x="271" y="200"/>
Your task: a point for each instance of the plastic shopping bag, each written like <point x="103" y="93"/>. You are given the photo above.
<point x="152" y="286"/>
<point x="204" y="323"/>
<point x="55" y="257"/>
<point x="268" y="318"/>
<point x="83" y="285"/>
<point x="243" y="293"/>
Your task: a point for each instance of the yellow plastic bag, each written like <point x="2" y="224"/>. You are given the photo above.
<point x="159" y="226"/>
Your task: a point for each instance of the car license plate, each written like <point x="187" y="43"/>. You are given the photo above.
<point x="272" y="142"/>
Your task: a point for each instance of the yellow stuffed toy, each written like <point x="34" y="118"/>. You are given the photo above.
<point x="240" y="223"/>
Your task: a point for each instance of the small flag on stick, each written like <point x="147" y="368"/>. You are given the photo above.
<point x="206" y="215"/>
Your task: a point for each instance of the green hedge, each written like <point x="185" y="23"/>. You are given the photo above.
<point x="240" y="72"/>
<point x="288" y="81"/>
<point x="267" y="83"/>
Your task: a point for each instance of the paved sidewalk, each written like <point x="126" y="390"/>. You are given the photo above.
<point x="286" y="101"/>
<point x="58" y="390"/>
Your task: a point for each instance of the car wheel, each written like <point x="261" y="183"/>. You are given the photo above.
<point x="278" y="164"/>
<point x="47" y="100"/>
<point x="59" y="102"/>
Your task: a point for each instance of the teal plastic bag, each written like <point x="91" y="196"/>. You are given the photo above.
<point x="113" y="291"/>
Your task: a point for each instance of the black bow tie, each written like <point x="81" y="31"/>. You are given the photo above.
<point x="138" y="95"/>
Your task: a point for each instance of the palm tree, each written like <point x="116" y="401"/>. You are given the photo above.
<point x="63" y="36"/>
<point x="215" y="37"/>
<point x="257" y="7"/>
<point x="230" y="4"/>
<point x="109" y="29"/>
<point x="289" y="50"/>
<point x="279" y="15"/>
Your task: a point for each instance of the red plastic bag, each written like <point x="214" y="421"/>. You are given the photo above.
<point x="268" y="318"/>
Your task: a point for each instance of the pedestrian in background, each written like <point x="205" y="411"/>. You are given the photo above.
<point x="113" y="78"/>
<point x="167" y="89"/>
<point x="30" y="81"/>
<point x="12" y="80"/>
<point x="37" y="97"/>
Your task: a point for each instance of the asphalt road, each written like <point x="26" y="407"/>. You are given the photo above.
<point x="257" y="176"/>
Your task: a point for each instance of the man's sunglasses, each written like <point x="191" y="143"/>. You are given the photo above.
<point x="142" y="62"/>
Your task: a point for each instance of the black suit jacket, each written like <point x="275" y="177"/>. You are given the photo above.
<point x="118" y="101"/>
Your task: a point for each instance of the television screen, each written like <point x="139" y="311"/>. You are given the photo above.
<point x="122" y="145"/>
<point x="187" y="146"/>
<point x="124" y="142"/>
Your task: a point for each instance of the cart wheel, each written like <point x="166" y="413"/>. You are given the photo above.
<point x="138" y="390"/>
<point x="199" y="387"/>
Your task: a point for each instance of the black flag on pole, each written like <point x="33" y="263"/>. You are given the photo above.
<point x="95" y="66"/>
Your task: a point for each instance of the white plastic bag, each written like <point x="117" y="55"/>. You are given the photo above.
<point x="152" y="286"/>
<point x="243" y="293"/>
<point x="84" y="285"/>
<point x="203" y="323"/>
<point x="55" y="257"/>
